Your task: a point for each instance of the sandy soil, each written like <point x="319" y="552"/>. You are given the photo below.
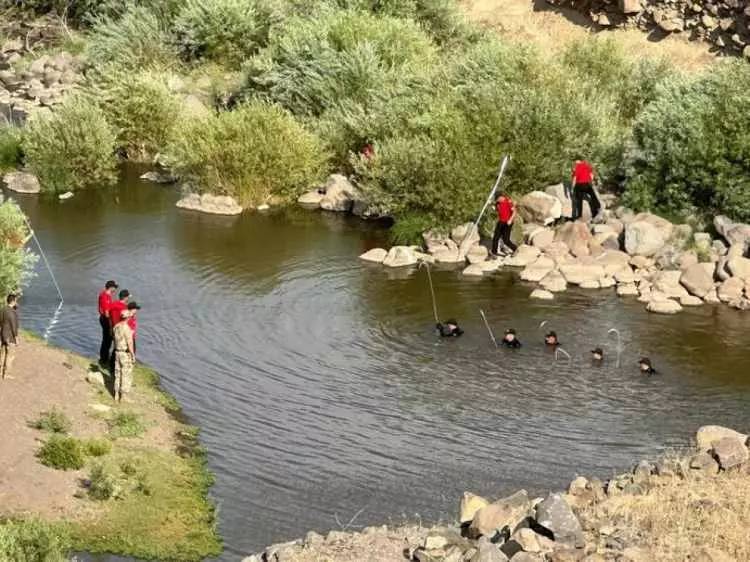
<point x="535" y="21"/>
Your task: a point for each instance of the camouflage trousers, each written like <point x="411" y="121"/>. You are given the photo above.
<point x="7" y="355"/>
<point x="123" y="372"/>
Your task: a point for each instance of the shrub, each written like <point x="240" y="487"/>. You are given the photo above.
<point x="53" y="421"/>
<point x="97" y="447"/>
<point x="691" y="149"/>
<point x="252" y="153"/>
<point x="72" y="148"/>
<point x="10" y="147"/>
<point x="228" y="31"/>
<point x="64" y="453"/>
<point x="101" y="486"/>
<point x="16" y="262"/>
<point x="33" y="541"/>
<point x="126" y="424"/>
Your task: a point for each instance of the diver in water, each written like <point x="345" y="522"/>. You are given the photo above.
<point x="646" y="367"/>
<point x="510" y="339"/>
<point x="449" y="329"/>
<point x="551" y="339"/>
<point x="597" y="356"/>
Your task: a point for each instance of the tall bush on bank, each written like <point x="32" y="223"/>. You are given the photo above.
<point x="33" y="541"/>
<point x="16" y="262"/>
<point x="252" y="153"/>
<point x="10" y="147"/>
<point x="691" y="147"/>
<point x="72" y="148"/>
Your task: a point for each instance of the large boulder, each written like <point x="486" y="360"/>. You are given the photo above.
<point x="506" y="512"/>
<point x="582" y="273"/>
<point x="538" y="270"/>
<point x="697" y="280"/>
<point x="340" y="194"/>
<point x="731" y="290"/>
<point x="576" y="236"/>
<point x="400" y="256"/>
<point x="732" y="232"/>
<point x="554" y="514"/>
<point x="311" y="199"/>
<point x="708" y="435"/>
<point x="730" y="452"/>
<point x="661" y="305"/>
<point x="559" y="192"/>
<point x="613" y="261"/>
<point x="376" y="255"/>
<point x="523" y="256"/>
<point x="211" y="204"/>
<point x="739" y="267"/>
<point x="470" y="504"/>
<point x="554" y="282"/>
<point x="539" y="207"/>
<point x="542" y="238"/>
<point x="645" y="235"/>
<point x="466" y="235"/>
<point x="22" y="182"/>
<point x="668" y="282"/>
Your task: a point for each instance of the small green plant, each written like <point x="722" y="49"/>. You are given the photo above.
<point x="128" y="468"/>
<point x="101" y="486"/>
<point x="63" y="453"/>
<point x="142" y="486"/>
<point x="53" y="421"/>
<point x="126" y="424"/>
<point x="10" y="147"/>
<point x="97" y="447"/>
<point x="33" y="541"/>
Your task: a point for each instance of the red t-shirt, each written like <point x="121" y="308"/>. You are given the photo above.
<point x="115" y="311"/>
<point x="504" y="208"/>
<point x="105" y="302"/>
<point x="133" y="323"/>
<point x="583" y="172"/>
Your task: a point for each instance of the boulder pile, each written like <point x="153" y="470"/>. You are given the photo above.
<point x="724" y="24"/>
<point x="339" y="195"/>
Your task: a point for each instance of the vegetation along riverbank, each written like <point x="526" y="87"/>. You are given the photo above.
<point x="690" y="505"/>
<point x="79" y="472"/>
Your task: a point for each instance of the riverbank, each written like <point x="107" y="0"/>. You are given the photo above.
<point x="133" y="478"/>
<point x="690" y="505"/>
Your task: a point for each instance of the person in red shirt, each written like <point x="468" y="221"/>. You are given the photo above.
<point x="117" y="307"/>
<point x="506" y="213"/>
<point x="133" y="308"/>
<point x="105" y="303"/>
<point x="582" y="182"/>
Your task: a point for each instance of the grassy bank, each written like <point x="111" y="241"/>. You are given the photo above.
<point x="125" y="479"/>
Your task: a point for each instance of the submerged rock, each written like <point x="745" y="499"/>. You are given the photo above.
<point x="376" y="255"/>
<point x="212" y="204"/>
<point x="541" y="294"/>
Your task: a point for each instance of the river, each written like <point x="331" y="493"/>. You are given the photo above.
<point x="320" y="388"/>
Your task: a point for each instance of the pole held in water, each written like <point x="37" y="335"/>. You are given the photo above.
<point x="432" y="291"/>
<point x="487" y="325"/>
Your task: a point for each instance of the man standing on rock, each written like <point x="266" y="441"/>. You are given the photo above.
<point x="124" y="356"/>
<point x="105" y="303"/>
<point x="582" y="181"/>
<point x="506" y="214"/>
<point x="8" y="335"/>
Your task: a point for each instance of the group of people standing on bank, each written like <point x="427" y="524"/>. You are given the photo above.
<point x="118" y="319"/>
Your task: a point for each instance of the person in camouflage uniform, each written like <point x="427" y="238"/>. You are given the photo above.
<point x="124" y="356"/>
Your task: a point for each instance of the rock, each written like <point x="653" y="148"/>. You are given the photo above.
<point x="641" y="262"/>
<point x="539" y="207"/>
<point x="580" y="273"/>
<point x="630" y="6"/>
<point x="22" y="182"/>
<point x="470" y="504"/>
<point x="560" y="193"/>
<point x="627" y="290"/>
<point x="706" y="554"/>
<point x="612" y="261"/>
<point x="460" y="235"/>
<point x="376" y="255"/>
<point x="499" y="514"/>
<point x="65" y="196"/>
<point x="541" y="294"/>
<point x="712" y="297"/>
<point x="542" y="238"/>
<point x="739" y="267"/>
<point x="731" y="289"/>
<point x="538" y="270"/>
<point x="734" y="233"/>
<point x="477" y="254"/>
<point x="730" y="452"/>
<point x="555" y="514"/>
<point x="576" y="236"/>
<point x="531" y="542"/>
<point x="554" y="282"/>
<point x="696" y="280"/>
<point x="690" y="300"/>
<point x="492" y="265"/>
<point x="156" y="176"/>
<point x="96" y="378"/>
<point x="426" y="258"/>
<point x="708" y="435"/>
<point x="643" y="238"/>
<point x="340" y="194"/>
<point x="475" y="270"/>
<point x="400" y="256"/>
<point x="437" y="241"/>
<point x="488" y="552"/>
<point x="446" y="255"/>
<point x="624" y="275"/>
<point x="606" y="282"/>
<point x="704" y="463"/>
<point x="212" y="204"/>
<point x="660" y="305"/>
<point x="590" y="284"/>
<point x="523" y="256"/>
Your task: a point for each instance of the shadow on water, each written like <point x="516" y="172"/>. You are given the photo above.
<point x="321" y="389"/>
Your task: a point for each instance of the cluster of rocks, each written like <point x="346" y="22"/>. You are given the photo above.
<point x="561" y="527"/>
<point x="723" y="23"/>
<point x="665" y="266"/>
<point x="25" y="88"/>
<point x="338" y="195"/>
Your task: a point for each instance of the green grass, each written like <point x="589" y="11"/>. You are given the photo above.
<point x="101" y="484"/>
<point x="53" y="421"/>
<point x="64" y="453"/>
<point x="97" y="447"/>
<point x="33" y="541"/>
<point x="126" y="424"/>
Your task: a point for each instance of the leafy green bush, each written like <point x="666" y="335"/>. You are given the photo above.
<point x="252" y="153"/>
<point x="101" y="485"/>
<point x="53" y="421"/>
<point x="10" y="147"/>
<point x="97" y="447"/>
<point x="72" y="148"/>
<point x="64" y="453"/>
<point x="223" y="30"/>
<point x="126" y="424"/>
<point x="691" y="148"/>
<point x="33" y="541"/>
<point x="16" y="262"/>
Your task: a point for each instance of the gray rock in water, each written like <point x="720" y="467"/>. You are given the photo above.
<point x="730" y="452"/>
<point x="156" y="176"/>
<point x="555" y="514"/>
<point x="22" y="182"/>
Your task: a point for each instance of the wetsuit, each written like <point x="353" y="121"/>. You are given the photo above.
<point x="650" y="372"/>
<point x="446" y="332"/>
<point x="514" y="344"/>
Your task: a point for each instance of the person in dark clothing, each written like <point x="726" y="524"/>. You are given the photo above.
<point x="597" y="356"/>
<point x="9" y="337"/>
<point x="582" y="180"/>
<point x="646" y="367"/>
<point x="510" y="339"/>
<point x="551" y="339"/>
<point x="449" y="329"/>
<point x="506" y="214"/>
<point x="105" y="303"/>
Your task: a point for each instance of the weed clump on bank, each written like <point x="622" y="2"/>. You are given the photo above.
<point x="62" y="453"/>
<point x="53" y="421"/>
<point x="126" y="424"/>
<point x="33" y="541"/>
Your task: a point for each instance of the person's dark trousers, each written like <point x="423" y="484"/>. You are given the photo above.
<point x="502" y="231"/>
<point x="104" y="350"/>
<point x="581" y="192"/>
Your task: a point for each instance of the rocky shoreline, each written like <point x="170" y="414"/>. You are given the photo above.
<point x="593" y="521"/>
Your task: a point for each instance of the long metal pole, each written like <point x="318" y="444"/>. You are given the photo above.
<point x="487" y="325"/>
<point x="432" y="292"/>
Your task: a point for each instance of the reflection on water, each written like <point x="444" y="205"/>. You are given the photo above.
<point x="322" y="390"/>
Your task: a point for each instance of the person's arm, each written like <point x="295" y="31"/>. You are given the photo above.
<point x="512" y="213"/>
